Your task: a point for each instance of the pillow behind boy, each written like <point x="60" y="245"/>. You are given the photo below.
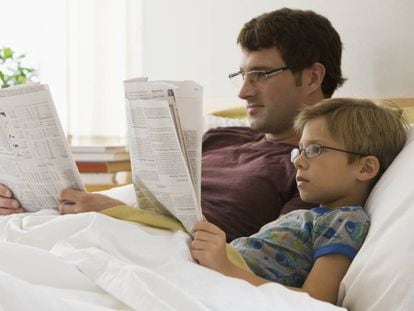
<point x="381" y="276"/>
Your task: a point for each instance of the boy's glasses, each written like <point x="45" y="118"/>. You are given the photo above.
<point x="254" y="77"/>
<point x="314" y="150"/>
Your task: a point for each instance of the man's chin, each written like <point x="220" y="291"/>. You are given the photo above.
<point x="254" y="125"/>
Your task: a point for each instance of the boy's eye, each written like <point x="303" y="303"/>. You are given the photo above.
<point x="313" y="150"/>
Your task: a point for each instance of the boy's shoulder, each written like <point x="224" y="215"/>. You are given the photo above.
<point x="339" y="214"/>
<point x="318" y="218"/>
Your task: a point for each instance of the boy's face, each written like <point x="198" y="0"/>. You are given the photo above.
<point x="327" y="179"/>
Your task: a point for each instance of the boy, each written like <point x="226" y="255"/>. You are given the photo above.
<point x="345" y="146"/>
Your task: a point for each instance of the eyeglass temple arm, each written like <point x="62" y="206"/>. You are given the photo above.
<point x="232" y="75"/>
<point x="351" y="152"/>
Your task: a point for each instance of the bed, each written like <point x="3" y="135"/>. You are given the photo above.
<point x="92" y="261"/>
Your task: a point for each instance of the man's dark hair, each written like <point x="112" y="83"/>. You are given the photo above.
<point x="302" y="37"/>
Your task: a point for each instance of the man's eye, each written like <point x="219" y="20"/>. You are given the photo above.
<point x="261" y="75"/>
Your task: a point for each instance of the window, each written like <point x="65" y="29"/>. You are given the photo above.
<point x="83" y="49"/>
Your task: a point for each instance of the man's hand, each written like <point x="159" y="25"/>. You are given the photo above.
<point x="74" y="201"/>
<point x="8" y="205"/>
<point x="209" y="247"/>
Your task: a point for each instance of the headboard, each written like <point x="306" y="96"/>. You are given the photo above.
<point x="405" y="103"/>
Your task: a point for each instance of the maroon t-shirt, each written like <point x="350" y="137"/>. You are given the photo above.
<point x="247" y="181"/>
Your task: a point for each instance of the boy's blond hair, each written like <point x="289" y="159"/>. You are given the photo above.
<point x="361" y="126"/>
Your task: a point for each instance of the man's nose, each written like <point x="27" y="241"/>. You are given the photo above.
<point x="247" y="90"/>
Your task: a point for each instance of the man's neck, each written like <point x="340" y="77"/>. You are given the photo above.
<point x="289" y="136"/>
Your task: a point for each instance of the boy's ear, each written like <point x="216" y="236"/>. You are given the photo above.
<point x="369" y="168"/>
<point x="313" y="77"/>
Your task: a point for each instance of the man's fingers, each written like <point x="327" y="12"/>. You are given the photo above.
<point x="9" y="211"/>
<point x="9" y="203"/>
<point x="67" y="208"/>
<point x="5" y="192"/>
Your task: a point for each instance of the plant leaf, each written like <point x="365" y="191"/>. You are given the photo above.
<point x="7" y="53"/>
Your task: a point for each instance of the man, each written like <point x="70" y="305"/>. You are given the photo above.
<point x="290" y="59"/>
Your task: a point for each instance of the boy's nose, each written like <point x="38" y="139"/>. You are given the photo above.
<point x="300" y="161"/>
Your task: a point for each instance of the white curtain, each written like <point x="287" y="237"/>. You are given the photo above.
<point x="83" y="49"/>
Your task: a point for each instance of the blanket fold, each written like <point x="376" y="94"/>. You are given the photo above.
<point x="149" y="218"/>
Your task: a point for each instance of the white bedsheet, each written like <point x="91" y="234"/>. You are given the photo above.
<point x="94" y="262"/>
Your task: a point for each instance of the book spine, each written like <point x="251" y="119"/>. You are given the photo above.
<point x="92" y="167"/>
<point x="103" y="167"/>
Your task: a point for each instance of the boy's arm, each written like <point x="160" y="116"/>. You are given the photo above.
<point x="209" y="249"/>
<point x="322" y="282"/>
<point x="325" y="276"/>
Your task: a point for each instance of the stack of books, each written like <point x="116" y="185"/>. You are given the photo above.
<point x="102" y="167"/>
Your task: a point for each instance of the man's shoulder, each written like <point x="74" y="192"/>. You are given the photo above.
<point x="244" y="138"/>
<point x="232" y="135"/>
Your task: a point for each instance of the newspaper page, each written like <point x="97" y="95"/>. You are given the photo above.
<point x="35" y="159"/>
<point x="165" y="131"/>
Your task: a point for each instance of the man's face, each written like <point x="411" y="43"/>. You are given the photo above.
<point x="272" y="104"/>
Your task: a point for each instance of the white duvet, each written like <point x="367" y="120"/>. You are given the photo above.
<point x="94" y="262"/>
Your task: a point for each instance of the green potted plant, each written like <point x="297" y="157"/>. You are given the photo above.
<point x="12" y="70"/>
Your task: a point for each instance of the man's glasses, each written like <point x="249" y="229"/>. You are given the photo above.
<point x="254" y="77"/>
<point x="314" y="150"/>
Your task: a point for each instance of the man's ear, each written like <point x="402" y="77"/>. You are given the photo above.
<point x="313" y="77"/>
<point x="369" y="167"/>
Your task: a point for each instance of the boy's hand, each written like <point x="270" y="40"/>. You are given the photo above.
<point x="209" y="246"/>
<point x="74" y="201"/>
<point x="8" y="205"/>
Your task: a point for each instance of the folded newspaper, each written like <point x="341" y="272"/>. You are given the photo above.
<point x="35" y="158"/>
<point x="165" y="132"/>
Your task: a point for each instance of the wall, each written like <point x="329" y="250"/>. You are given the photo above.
<point x="187" y="39"/>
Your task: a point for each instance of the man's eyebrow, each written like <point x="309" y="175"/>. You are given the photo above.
<point x="256" y="68"/>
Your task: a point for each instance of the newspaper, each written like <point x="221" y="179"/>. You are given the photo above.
<point x="35" y="159"/>
<point x="165" y="132"/>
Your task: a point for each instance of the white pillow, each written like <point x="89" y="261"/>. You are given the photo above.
<point x="381" y="277"/>
<point x="125" y="194"/>
<point x="211" y="121"/>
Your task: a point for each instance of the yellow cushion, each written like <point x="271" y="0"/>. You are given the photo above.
<point x="405" y="103"/>
<point x="232" y="113"/>
<point x="144" y="217"/>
